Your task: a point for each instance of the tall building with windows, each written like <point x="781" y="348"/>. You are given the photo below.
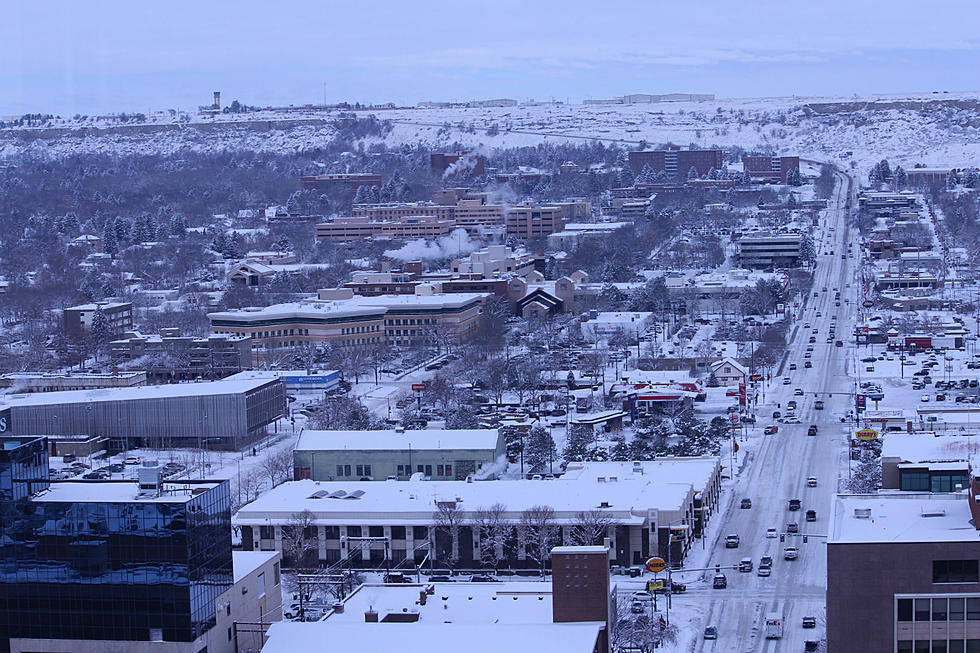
<point x="903" y="573"/>
<point x="110" y="560"/>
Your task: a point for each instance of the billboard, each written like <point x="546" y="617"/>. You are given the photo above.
<point x="5" y="424"/>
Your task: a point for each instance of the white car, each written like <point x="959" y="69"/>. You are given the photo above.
<point x="811" y="481"/>
<point x="924" y="398"/>
<point x="132" y="460"/>
<point x="790" y="419"/>
<point x="791" y="553"/>
<point x="786" y="380"/>
<point x="771" y="532"/>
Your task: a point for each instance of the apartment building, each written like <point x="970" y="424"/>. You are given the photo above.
<point x="676" y="161"/>
<point x="356" y="228"/>
<point x="770" y="168"/>
<point x="78" y="319"/>
<point x="471" y="214"/>
<point x="902" y="573"/>
<point x="392" y="211"/>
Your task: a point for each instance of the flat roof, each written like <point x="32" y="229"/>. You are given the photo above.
<point x="297" y="637"/>
<point x="902" y="517"/>
<point x="355" y="306"/>
<point x="383" y="440"/>
<point x="118" y="492"/>
<point x="512" y="602"/>
<point x="403" y="502"/>
<point x="921" y="447"/>
<point x="245" y="562"/>
<point x="235" y="384"/>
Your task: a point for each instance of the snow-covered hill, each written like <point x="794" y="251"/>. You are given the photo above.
<point x="931" y="129"/>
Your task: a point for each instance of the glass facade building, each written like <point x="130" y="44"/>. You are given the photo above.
<point x="103" y="560"/>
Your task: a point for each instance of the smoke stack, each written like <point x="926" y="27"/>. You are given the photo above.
<point x="217" y="99"/>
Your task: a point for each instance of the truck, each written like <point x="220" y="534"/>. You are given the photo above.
<point x="774" y="625"/>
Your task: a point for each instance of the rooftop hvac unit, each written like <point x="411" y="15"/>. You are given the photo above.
<point x="862" y="513"/>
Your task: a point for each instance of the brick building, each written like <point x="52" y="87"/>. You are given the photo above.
<point x="78" y="319"/>
<point x="676" y="161"/>
<point x="770" y="168"/>
<point x="346" y="181"/>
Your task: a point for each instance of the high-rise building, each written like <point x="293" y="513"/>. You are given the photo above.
<point x="676" y="161"/>
<point x="108" y="560"/>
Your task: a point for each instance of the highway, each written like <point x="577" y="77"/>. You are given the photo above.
<point x="779" y="469"/>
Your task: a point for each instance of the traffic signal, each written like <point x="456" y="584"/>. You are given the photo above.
<point x="782" y="537"/>
<point x="804" y="539"/>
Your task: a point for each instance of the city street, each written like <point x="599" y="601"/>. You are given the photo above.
<point x="780" y="468"/>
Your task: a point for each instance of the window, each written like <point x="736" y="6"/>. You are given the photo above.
<point x="363" y="470"/>
<point x="439" y="470"/>
<point x="428" y="470"/>
<point x="331" y="532"/>
<point x="275" y="573"/>
<point x="956" y="646"/>
<point x="915" y="481"/>
<point x="956" y="609"/>
<point x="904" y="646"/>
<point x="229" y="633"/>
<point x="267" y="532"/>
<point x="227" y="609"/>
<point x="376" y="531"/>
<point x="353" y="531"/>
<point x="939" y="609"/>
<point x="922" y="609"/>
<point x="420" y="532"/>
<point x="922" y="646"/>
<point x="955" y="571"/>
<point x="973" y="646"/>
<point x="973" y="610"/>
<point x="938" y="646"/>
<point x="905" y="610"/>
<point x="449" y="470"/>
<point x="398" y="532"/>
<point x="261" y="584"/>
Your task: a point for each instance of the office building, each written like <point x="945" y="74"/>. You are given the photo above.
<point x="352" y="321"/>
<point x="225" y="414"/>
<point x="770" y="168"/>
<point x="642" y="504"/>
<point x="114" y="566"/>
<point x="676" y="162"/>
<point x="902" y="573"/>
<point x="344" y="229"/>
<point x="770" y="251"/>
<point x="530" y="220"/>
<point x="439" y="454"/>
<point x="78" y="319"/>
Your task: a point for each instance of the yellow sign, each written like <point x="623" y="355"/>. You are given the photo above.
<point x="655" y="585"/>
<point x="866" y="434"/>
<point x="656" y="565"/>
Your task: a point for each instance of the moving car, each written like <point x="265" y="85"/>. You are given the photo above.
<point x="794" y="504"/>
<point x="818" y="404"/>
<point x="811" y="481"/>
<point x="792" y="527"/>
<point x="765" y="561"/>
<point x="811" y="515"/>
<point x="764" y="570"/>
<point x="786" y="380"/>
<point x="771" y="532"/>
<point x="812" y="430"/>
<point x="745" y="565"/>
<point x="710" y="632"/>
<point x="798" y="392"/>
<point x="731" y="541"/>
<point x="791" y="553"/>
<point x="719" y="582"/>
<point x="809" y="622"/>
<point x="807" y="364"/>
<point x="746" y="503"/>
<point x="771" y="429"/>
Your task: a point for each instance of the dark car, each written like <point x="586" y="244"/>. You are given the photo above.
<point x="811" y="515"/>
<point x="483" y="579"/>
<point x="711" y="632"/>
<point x="719" y="582"/>
<point x="440" y="579"/>
<point x="809" y="622"/>
<point x="746" y="503"/>
<point x="794" y="504"/>
<point x="116" y="468"/>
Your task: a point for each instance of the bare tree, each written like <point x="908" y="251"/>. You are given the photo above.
<point x="493" y="531"/>
<point x="448" y="519"/>
<point x="278" y="466"/>
<point x="590" y="528"/>
<point x="300" y="540"/>
<point x="539" y="532"/>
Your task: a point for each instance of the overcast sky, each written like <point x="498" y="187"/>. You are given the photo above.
<point x="70" y="56"/>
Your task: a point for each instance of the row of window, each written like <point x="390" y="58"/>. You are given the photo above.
<point x="924" y="481"/>
<point x="410" y="321"/>
<point x="360" y="470"/>
<point x="940" y="609"/>
<point x="333" y="532"/>
<point x="955" y="571"/>
<point x="441" y="470"/>
<point x="939" y="646"/>
<point x="361" y="329"/>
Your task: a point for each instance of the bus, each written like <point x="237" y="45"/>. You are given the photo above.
<point x="774" y="625"/>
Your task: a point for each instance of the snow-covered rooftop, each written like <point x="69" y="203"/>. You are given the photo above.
<point x="245" y="562"/>
<point x="235" y="384"/>
<point x="928" y="517"/>
<point x="921" y="447"/>
<point x="297" y="637"/>
<point x="395" y="440"/>
<point x="118" y="492"/>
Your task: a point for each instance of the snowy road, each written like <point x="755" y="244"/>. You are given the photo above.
<point x="780" y="469"/>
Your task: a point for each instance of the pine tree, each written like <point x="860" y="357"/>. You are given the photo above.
<point x="361" y="196"/>
<point x="692" y="174"/>
<point x="646" y="176"/>
<point x="884" y="170"/>
<point x="121" y="226"/>
<point x="178" y="226"/>
<point x="282" y="245"/>
<point x="101" y="330"/>
<point x="110" y="244"/>
<point x="901" y="178"/>
<point x="951" y="180"/>
<point x="539" y="451"/>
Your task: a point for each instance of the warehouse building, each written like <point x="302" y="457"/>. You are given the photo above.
<point x="378" y="455"/>
<point x="225" y="414"/>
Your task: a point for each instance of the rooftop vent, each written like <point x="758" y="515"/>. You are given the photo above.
<point x="605" y="504"/>
<point x="862" y="513"/>
<point x="939" y="511"/>
<point x="319" y="494"/>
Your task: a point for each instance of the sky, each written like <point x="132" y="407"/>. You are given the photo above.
<point x="102" y="56"/>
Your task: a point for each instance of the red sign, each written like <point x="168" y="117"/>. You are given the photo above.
<point x="755" y="377"/>
<point x="418" y="387"/>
